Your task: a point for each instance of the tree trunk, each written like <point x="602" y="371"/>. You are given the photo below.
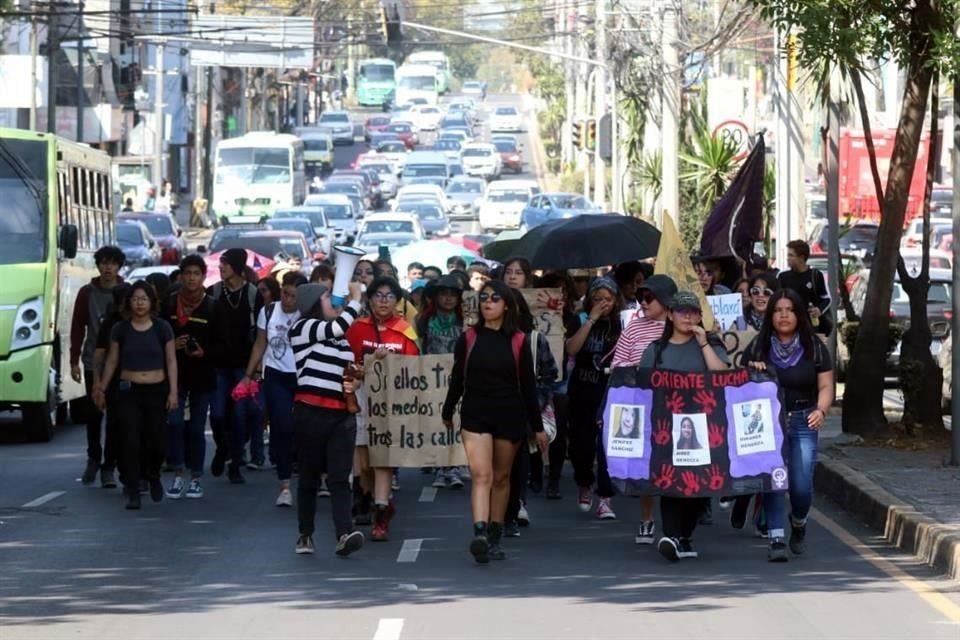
<point x="863" y="396"/>
<point x="920" y="376"/>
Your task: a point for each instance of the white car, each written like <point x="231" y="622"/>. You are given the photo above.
<point x="426" y="117"/>
<point x="459" y="135"/>
<point x="481" y="159"/>
<point x="503" y="204"/>
<point x="386" y="171"/>
<point x="913" y="235"/>
<point x="506" y="118"/>
<point x="339" y="124"/>
<point x="414" y="192"/>
<point x="392" y="223"/>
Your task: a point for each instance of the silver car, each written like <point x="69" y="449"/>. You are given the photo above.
<point x="339" y="124"/>
<point x="464" y="195"/>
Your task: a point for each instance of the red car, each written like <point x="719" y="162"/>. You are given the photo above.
<point x="404" y="131"/>
<point x="376" y="124"/>
<point x="509" y="155"/>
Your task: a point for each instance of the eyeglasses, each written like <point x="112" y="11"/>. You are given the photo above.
<point x="492" y="297"/>
<point x="648" y="298"/>
<point x="384" y="297"/>
<point x="761" y="291"/>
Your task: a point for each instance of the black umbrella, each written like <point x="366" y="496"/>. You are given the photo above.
<point x="587" y="241"/>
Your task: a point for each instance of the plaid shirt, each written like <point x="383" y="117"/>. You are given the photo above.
<point x="546" y="370"/>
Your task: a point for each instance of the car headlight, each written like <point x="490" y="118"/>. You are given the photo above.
<point x="28" y="325"/>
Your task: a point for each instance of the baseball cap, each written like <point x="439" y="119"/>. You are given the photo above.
<point x="661" y="286"/>
<point x="685" y="300"/>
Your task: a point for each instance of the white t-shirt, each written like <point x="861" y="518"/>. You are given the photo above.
<point x="279" y="353"/>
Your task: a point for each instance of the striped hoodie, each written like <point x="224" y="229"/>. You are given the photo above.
<point x="321" y="352"/>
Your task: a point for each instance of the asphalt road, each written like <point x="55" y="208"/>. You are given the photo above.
<point x="77" y="565"/>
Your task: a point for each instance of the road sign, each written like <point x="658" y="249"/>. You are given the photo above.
<point x="737" y="133"/>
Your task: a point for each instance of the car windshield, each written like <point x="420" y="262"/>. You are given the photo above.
<point x="158" y="225"/>
<point x="465" y="187"/>
<point x="253" y="166"/>
<point x="315" y="144"/>
<point x="385" y="240"/>
<point x="505" y="146"/>
<point x="508" y="196"/>
<point x="419" y="170"/>
<point x="447" y="144"/>
<point x="267" y="246"/>
<point x="418" y="83"/>
<point x="569" y="202"/>
<point x="391" y="147"/>
<point x="334" y="118"/>
<point x="379" y="168"/>
<point x="129" y="234"/>
<point x="399" y="128"/>
<point x="338" y="211"/>
<point x="388" y="226"/>
<point x="378" y="122"/>
<point x="314" y="214"/>
<point x="506" y="111"/>
<point x="427" y="211"/>
<point x="476" y="152"/>
<point x="293" y="224"/>
<point x="860" y="234"/>
<point x="341" y="187"/>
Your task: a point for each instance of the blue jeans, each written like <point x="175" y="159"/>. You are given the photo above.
<point x="278" y="391"/>
<point x="187" y="444"/>
<point x="802" y="460"/>
<point x="245" y="412"/>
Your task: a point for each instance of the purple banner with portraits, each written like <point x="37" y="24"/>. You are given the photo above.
<point x="694" y="434"/>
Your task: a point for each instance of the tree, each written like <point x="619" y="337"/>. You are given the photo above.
<point x="918" y="35"/>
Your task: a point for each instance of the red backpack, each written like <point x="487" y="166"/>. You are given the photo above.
<point x="516" y="343"/>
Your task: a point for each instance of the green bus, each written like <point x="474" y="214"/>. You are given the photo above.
<point x="57" y="211"/>
<point x="376" y="79"/>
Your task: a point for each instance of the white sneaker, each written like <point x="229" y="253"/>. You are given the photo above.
<point x="322" y="490"/>
<point x="523" y="518"/>
<point x="605" y="510"/>
<point x="465" y="473"/>
<point x="439" y="479"/>
<point x="645" y="533"/>
<point x="285" y="499"/>
<point x="453" y="479"/>
<point x="195" y="490"/>
<point x="177" y="489"/>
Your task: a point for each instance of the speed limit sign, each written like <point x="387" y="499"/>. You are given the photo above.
<point x="737" y="133"/>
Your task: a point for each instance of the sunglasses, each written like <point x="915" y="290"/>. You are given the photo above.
<point x="648" y="298"/>
<point x="761" y="291"/>
<point x="491" y="297"/>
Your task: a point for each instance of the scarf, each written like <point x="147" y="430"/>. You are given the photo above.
<point x="186" y="305"/>
<point x="786" y="355"/>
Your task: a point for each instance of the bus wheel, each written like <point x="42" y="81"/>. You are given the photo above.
<point x="40" y="418"/>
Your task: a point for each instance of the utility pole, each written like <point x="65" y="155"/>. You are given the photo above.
<point x="201" y="124"/>
<point x="833" y="199"/>
<point x="599" y="166"/>
<point x="569" y="67"/>
<point x="955" y="322"/>
<point x="789" y="152"/>
<point x="670" y="116"/>
<point x="158" y="107"/>
<point x="53" y="66"/>
<point x="33" y="72"/>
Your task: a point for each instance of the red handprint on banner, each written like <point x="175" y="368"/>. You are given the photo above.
<point x="675" y="403"/>
<point x="662" y="435"/>
<point x="707" y="400"/>
<point x="717" y="436"/>
<point x="665" y="479"/>
<point x="691" y="483"/>
<point x="716" y="478"/>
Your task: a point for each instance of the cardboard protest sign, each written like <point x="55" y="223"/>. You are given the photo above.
<point x="694" y="434"/>
<point x="726" y="308"/>
<point x="404" y="399"/>
<point x="546" y="305"/>
<point x="736" y="342"/>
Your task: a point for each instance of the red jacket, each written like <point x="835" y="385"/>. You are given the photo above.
<point x="398" y="337"/>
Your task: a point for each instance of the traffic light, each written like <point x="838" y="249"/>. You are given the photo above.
<point x="591" y="140"/>
<point x="577" y="133"/>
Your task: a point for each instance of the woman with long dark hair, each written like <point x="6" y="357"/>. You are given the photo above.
<point x="762" y="287"/>
<point x="684" y="346"/>
<point x="591" y="343"/>
<point x="788" y="346"/>
<point x="688" y="436"/>
<point x="143" y="351"/>
<point x="517" y="273"/>
<point x="494" y="373"/>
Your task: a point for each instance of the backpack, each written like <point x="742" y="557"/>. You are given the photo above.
<point x="516" y="344"/>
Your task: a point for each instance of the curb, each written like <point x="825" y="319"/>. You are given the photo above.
<point x="935" y="544"/>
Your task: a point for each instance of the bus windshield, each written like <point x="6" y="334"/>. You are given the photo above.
<point x="254" y="166"/>
<point x="377" y="72"/>
<point x="22" y="185"/>
<point x="428" y="83"/>
<point x="314" y="144"/>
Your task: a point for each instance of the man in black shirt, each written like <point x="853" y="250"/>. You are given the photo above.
<point x="809" y="283"/>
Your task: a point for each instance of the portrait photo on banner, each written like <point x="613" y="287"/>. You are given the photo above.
<point x="753" y="423"/>
<point x="626" y="435"/>
<point x="691" y="441"/>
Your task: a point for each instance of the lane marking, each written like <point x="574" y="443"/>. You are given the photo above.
<point x="410" y="550"/>
<point x="44" y="499"/>
<point x="427" y="494"/>
<point x="388" y="629"/>
<point x="930" y="595"/>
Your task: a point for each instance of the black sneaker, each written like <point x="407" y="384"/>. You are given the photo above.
<point x="107" y="479"/>
<point x="235" y="476"/>
<point x="480" y="549"/>
<point x="686" y="549"/>
<point x="144" y="487"/>
<point x="706" y="516"/>
<point x="553" y="491"/>
<point x="496" y="552"/>
<point x="349" y="543"/>
<point x="156" y="489"/>
<point x="777" y="551"/>
<point x="738" y="515"/>
<point x="90" y="472"/>
<point x="133" y="502"/>
<point x="669" y="548"/>
<point x="511" y="529"/>
<point x="798" y="535"/>
<point x="304" y="545"/>
<point x="218" y="464"/>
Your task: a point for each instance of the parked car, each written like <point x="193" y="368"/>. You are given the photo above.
<point x="510" y="156"/>
<point x="506" y="118"/>
<point x="339" y="124"/>
<point x="433" y="218"/>
<point x="481" y="159"/>
<point x="860" y="239"/>
<point x="548" y="207"/>
<point x="464" y="194"/>
<point x="165" y="231"/>
<point x="139" y="246"/>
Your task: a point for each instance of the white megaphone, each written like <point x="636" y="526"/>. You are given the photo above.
<point x="345" y="260"/>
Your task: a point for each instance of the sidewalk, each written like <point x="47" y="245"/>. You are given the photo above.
<point x="908" y="495"/>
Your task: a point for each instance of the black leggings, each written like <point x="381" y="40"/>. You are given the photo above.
<point x="585" y="436"/>
<point x="679" y="515"/>
<point x="142" y="410"/>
